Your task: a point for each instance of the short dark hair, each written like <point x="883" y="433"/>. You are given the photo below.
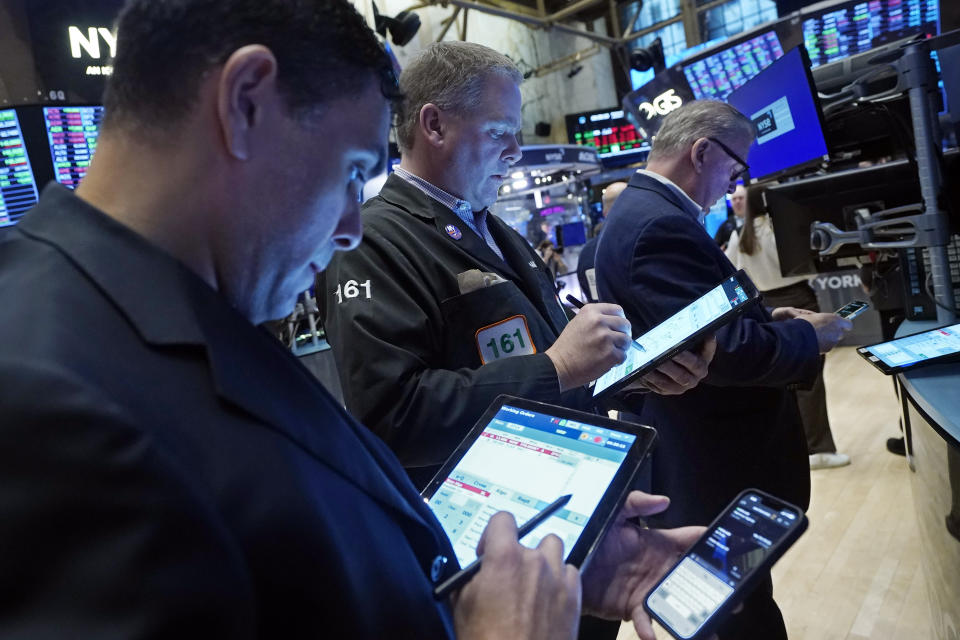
<point x="164" y="47"/>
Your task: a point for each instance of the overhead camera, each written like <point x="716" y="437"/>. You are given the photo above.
<point x="402" y="28"/>
<point x="650" y="57"/>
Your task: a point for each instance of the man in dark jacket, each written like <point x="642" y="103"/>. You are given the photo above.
<point x="741" y="427"/>
<point x="167" y="469"/>
<point x="443" y="307"/>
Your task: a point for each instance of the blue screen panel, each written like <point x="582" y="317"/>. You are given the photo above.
<point x="780" y="101"/>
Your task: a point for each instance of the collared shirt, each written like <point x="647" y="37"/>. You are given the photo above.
<point x="688" y="203"/>
<point x="476" y="221"/>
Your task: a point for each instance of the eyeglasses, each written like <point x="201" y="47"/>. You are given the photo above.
<point x="740" y="161"/>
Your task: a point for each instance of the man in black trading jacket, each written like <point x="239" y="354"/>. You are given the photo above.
<point x="169" y="470"/>
<point x="443" y="307"/>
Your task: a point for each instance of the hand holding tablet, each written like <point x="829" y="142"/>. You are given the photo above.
<point x="683" y="331"/>
<point x="520" y="456"/>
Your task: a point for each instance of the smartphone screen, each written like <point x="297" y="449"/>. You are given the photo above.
<point x="852" y="309"/>
<point x="746" y="538"/>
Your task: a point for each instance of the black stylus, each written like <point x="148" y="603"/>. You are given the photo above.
<point x="460" y="578"/>
<point x="579" y="305"/>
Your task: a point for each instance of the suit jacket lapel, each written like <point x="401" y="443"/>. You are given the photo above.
<point x="244" y="377"/>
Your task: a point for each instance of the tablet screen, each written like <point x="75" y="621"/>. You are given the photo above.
<point x="726" y="296"/>
<point x="520" y="462"/>
<point x="910" y="350"/>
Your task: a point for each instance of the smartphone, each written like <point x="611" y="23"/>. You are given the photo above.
<point x="852" y="309"/>
<point x="724" y="565"/>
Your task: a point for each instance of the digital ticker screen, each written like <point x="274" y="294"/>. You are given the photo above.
<point x="716" y="75"/>
<point x="72" y="133"/>
<point x="608" y="131"/>
<point x="856" y="27"/>
<point x="18" y="189"/>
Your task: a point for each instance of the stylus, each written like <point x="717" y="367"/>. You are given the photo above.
<point x="579" y="305"/>
<point x="458" y="579"/>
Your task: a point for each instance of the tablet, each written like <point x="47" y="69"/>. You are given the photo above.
<point x="680" y="332"/>
<point x="926" y="347"/>
<point x="523" y="455"/>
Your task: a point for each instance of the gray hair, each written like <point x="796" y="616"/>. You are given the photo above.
<point x="450" y="75"/>
<point x="700" y="119"/>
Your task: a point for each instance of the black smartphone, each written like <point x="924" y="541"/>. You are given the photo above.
<point x="724" y="565"/>
<point x="852" y="309"/>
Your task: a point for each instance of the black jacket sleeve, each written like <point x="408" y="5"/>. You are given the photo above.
<point x="102" y="536"/>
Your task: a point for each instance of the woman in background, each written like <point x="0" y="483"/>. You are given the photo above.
<point x="754" y="249"/>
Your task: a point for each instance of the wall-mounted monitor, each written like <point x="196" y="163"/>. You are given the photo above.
<point x="72" y="134"/>
<point x="836" y="30"/>
<point x="615" y="138"/>
<point x="715" y="75"/>
<point x="18" y="187"/>
<point x="782" y="102"/>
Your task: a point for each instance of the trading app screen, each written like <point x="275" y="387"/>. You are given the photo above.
<point x="710" y="572"/>
<point x="522" y="462"/>
<point x="675" y="330"/>
<point x="923" y="346"/>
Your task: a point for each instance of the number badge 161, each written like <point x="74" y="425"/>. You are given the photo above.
<point x="505" y="339"/>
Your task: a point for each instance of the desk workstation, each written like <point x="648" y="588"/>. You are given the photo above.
<point x="930" y="408"/>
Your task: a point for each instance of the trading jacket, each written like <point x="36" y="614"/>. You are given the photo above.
<point x="418" y="359"/>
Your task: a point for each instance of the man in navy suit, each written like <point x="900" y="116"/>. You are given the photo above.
<point x="740" y="427"/>
<point x="167" y="469"/>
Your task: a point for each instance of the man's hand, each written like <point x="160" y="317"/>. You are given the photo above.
<point x="518" y="592"/>
<point x="829" y="327"/>
<point x="629" y="562"/>
<point x="595" y="340"/>
<point x="788" y="313"/>
<point x="681" y="373"/>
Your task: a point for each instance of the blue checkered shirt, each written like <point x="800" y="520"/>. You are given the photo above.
<point x="476" y="221"/>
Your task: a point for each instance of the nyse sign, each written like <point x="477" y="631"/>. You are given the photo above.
<point x="661" y="105"/>
<point x="89" y="44"/>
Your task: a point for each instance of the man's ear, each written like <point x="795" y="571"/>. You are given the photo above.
<point x="698" y="153"/>
<point x="431" y="124"/>
<point x="246" y="91"/>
